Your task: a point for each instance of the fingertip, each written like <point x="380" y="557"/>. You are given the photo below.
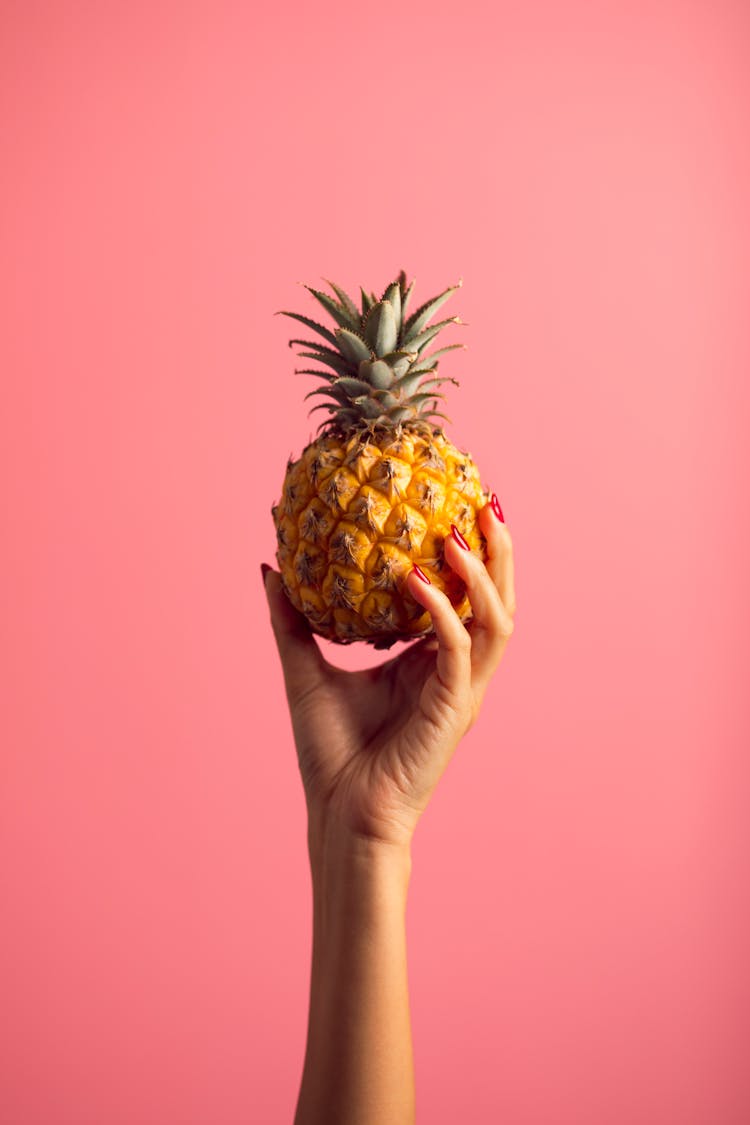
<point x="464" y="561"/>
<point x="271" y="583"/>
<point x="419" y="585"/>
<point x="284" y="617"/>
<point x="494" y="529"/>
<point x="454" y="554"/>
<point x="496" y="509"/>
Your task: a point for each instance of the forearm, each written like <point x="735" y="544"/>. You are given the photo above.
<point x="358" y="1065"/>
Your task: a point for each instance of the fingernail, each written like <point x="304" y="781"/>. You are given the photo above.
<point x="421" y="574"/>
<point x="459" y="538"/>
<point x="264" y="569"/>
<point x="495" y="503"/>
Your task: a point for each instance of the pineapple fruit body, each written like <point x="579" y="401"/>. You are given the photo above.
<point x="356" y="515"/>
<point x="376" y="494"/>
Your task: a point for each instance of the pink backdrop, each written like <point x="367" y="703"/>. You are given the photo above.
<point x="579" y="918"/>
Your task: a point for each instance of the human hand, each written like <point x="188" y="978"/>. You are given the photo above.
<point x="373" y="744"/>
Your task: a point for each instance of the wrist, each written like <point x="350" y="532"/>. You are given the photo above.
<point x="333" y="844"/>
<point x="360" y="891"/>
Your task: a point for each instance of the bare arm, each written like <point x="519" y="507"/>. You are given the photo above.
<point x="358" y="1066"/>
<point x="372" y="746"/>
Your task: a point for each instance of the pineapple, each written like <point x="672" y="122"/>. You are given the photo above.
<point x="378" y="490"/>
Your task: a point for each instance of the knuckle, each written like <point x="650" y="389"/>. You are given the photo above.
<point x="477" y="573"/>
<point x="502" y="623"/>
<point x="460" y="642"/>
<point x="466" y="712"/>
<point x="463" y="641"/>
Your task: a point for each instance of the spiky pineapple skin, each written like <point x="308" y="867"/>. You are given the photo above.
<point x="357" y="512"/>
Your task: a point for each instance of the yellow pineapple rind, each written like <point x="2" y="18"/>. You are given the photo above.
<point x="358" y="512"/>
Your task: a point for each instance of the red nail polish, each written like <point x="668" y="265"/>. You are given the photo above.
<point x="421" y="574"/>
<point x="496" y="507"/>
<point x="459" y="538"/>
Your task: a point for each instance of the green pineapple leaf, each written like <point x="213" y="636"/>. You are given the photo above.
<point x="428" y="384"/>
<point x="418" y="320"/>
<point x="352" y="345"/>
<point x="368" y="407"/>
<point x="339" y="314"/>
<point x="399" y="361"/>
<point x="393" y="295"/>
<point x="332" y="359"/>
<point x="419" y="343"/>
<point x="313" y="371"/>
<point x="380" y="328"/>
<point x="386" y="399"/>
<point x="407" y="384"/>
<point x="346" y="302"/>
<point x="423" y="413"/>
<point x="428" y="362"/>
<point x="428" y="396"/>
<point x="330" y="392"/>
<point x="306" y="343"/>
<point x="366" y="302"/>
<point x="406" y="292"/>
<point x="347" y="417"/>
<point x="401" y="414"/>
<point x="376" y="372"/>
<point x="325" y="332"/>
<point x="353" y="387"/>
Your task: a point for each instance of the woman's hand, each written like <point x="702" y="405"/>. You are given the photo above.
<point x="373" y="744"/>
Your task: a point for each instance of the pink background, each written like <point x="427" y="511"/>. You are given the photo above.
<point x="579" y="917"/>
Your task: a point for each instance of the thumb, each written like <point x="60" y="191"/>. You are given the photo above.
<point x="301" y="658"/>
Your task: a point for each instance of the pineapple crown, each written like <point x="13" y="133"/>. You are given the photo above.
<point x="377" y="373"/>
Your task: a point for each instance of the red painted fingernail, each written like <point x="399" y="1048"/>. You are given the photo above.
<point x="264" y="569"/>
<point x="421" y="574"/>
<point x="496" y="507"/>
<point x="459" y="538"/>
